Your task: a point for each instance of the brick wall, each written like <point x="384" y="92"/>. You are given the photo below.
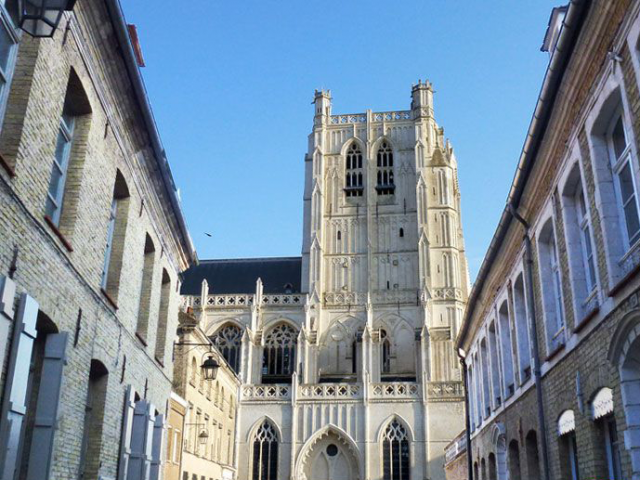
<point x="65" y="280"/>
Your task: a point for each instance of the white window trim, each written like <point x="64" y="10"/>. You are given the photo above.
<point x="617" y="165"/>
<point x="614" y="253"/>
<point x="548" y="215"/>
<point x="15" y="35"/>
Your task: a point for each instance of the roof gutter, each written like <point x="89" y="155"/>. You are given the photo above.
<point x="572" y="25"/>
<point x="117" y="19"/>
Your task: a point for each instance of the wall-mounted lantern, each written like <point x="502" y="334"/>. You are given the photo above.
<point x="40" y="18"/>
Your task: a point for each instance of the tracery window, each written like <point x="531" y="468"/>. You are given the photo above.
<point x="385" y="185"/>
<point x="354" y="184"/>
<point x="386" y="352"/>
<point x="228" y="341"/>
<point x="279" y="358"/>
<point x="265" y="453"/>
<point x="395" y="452"/>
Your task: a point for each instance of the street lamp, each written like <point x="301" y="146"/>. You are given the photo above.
<point x="40" y="18"/>
<point x="203" y="437"/>
<point x="210" y="368"/>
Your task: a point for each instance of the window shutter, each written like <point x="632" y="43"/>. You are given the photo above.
<point x="14" y="405"/>
<point x="47" y="407"/>
<point x="125" y="437"/>
<point x="141" y="441"/>
<point x="156" y="449"/>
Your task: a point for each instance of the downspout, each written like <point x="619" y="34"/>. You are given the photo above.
<point x="528" y="266"/>
<point x="467" y="418"/>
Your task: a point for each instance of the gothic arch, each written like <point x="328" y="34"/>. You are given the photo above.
<point x="383" y="138"/>
<point x="347" y="144"/>
<point x="329" y="432"/>
<point x="402" y="421"/>
<point x="348" y="323"/>
<point x="258" y="423"/>
<point x="395" y="439"/>
<point x="274" y="322"/>
<point x="213" y="327"/>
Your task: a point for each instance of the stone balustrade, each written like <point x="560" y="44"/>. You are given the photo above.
<point x="395" y="390"/>
<point x="321" y="391"/>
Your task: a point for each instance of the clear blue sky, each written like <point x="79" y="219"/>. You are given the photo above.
<point x="231" y="83"/>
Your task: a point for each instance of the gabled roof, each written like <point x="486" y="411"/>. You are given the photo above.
<point x="240" y="275"/>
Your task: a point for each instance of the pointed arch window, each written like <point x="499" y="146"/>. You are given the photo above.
<point x="228" y="341"/>
<point x="385" y="184"/>
<point x="279" y="358"/>
<point x="354" y="182"/>
<point x="386" y="352"/>
<point x="395" y="452"/>
<point x="265" y="453"/>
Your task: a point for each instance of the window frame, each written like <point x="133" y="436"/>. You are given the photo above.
<point x="111" y="228"/>
<point x="6" y="74"/>
<point x="403" y="447"/>
<point x="354" y="153"/>
<point x="556" y="339"/>
<point x="65" y="131"/>
<point x="618" y="164"/>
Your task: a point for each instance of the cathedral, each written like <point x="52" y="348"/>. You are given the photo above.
<point x="345" y="355"/>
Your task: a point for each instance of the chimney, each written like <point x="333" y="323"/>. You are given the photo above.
<point x="135" y="43"/>
<point x="553" y="30"/>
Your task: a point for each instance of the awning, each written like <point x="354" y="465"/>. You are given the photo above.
<point x="602" y="403"/>
<point x="566" y="422"/>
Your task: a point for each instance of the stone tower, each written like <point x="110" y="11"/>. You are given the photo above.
<point x="345" y="354"/>
<point x="390" y="240"/>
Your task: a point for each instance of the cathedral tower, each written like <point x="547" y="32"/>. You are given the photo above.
<point x="346" y="354"/>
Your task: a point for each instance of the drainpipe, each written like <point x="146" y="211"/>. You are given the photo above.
<point x="528" y="266"/>
<point x="467" y="417"/>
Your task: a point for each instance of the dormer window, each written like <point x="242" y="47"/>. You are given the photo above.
<point x="385" y="184"/>
<point x="354" y="184"/>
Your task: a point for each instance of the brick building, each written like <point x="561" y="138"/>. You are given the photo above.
<point x="455" y="458"/>
<point x="551" y="337"/>
<point x="92" y="242"/>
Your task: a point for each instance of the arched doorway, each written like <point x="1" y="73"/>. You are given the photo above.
<point x="329" y="456"/>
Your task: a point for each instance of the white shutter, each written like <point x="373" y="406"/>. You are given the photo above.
<point x="141" y="441"/>
<point x="125" y="436"/>
<point x="156" y="448"/>
<point x="14" y="405"/>
<point x="46" y="417"/>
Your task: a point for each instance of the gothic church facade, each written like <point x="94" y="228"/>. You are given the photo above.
<point x="345" y="354"/>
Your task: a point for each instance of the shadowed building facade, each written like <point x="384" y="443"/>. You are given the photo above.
<point x="552" y="332"/>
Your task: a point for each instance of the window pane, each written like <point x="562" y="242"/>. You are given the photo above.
<point x="6" y="46"/>
<point x="626" y="183"/>
<point x="54" y="182"/>
<point x="618" y="139"/>
<point x="631" y="217"/>
<point x="591" y="271"/>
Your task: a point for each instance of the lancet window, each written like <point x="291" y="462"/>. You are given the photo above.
<point x="395" y="452"/>
<point x="279" y="357"/>
<point x="386" y="352"/>
<point x="265" y="453"/>
<point x="228" y="341"/>
<point x="385" y="185"/>
<point x="354" y="183"/>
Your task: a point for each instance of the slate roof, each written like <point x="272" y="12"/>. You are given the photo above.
<point x="240" y="275"/>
